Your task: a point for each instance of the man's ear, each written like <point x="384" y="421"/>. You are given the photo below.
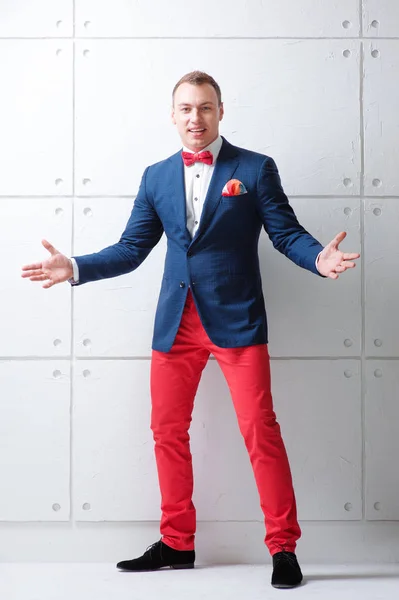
<point x="172" y="116"/>
<point x="221" y="111"/>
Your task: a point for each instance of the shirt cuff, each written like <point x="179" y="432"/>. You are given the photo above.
<point x="75" y="279"/>
<point x="316" y="262"/>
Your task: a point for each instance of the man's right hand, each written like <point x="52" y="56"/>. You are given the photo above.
<point x="56" y="269"/>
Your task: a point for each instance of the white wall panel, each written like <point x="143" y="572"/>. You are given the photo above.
<point x="115" y="473"/>
<point x="380" y="18"/>
<point x="310" y="398"/>
<point x="318" y="404"/>
<point x="381" y="282"/>
<point x="34" y="440"/>
<point x="251" y="18"/>
<point x="33" y="321"/>
<point x="114" y="466"/>
<point x="381" y="120"/>
<point x="41" y="18"/>
<point x="224" y="486"/>
<point x="310" y="315"/>
<point x="114" y="317"/>
<point x="36" y="117"/>
<point x="299" y="103"/>
<point x="382" y="442"/>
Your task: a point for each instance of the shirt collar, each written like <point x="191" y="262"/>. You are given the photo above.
<point x="214" y="148"/>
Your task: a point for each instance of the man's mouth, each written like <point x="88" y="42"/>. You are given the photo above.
<point x="196" y="130"/>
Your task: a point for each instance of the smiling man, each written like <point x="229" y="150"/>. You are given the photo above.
<point x="197" y="111"/>
<point x="211" y="200"/>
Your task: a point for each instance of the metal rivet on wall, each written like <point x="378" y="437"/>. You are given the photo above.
<point x="346" y="24"/>
<point x="56" y="507"/>
<point x="57" y="342"/>
<point x="87" y="212"/>
<point x="377" y="211"/>
<point x="375" y="53"/>
<point x="378" y="373"/>
<point x="348" y="343"/>
<point x="378" y="343"/>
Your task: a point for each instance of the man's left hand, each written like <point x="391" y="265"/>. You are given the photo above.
<point x="332" y="262"/>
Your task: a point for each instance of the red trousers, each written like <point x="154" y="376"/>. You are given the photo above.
<point x="175" y="376"/>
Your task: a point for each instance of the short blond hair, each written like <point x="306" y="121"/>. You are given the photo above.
<point x="199" y="78"/>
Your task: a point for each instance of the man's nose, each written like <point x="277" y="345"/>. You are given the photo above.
<point x="194" y="115"/>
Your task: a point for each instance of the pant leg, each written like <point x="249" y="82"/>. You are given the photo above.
<point x="175" y="376"/>
<point x="247" y="371"/>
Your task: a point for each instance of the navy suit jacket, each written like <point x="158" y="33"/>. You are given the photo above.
<point x="220" y="264"/>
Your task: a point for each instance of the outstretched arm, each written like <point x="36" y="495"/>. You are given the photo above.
<point x="143" y="231"/>
<point x="287" y="234"/>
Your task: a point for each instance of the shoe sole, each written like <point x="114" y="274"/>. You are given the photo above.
<point x="286" y="587"/>
<point x="176" y="567"/>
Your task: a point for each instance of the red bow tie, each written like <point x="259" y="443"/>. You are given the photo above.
<point x="189" y="158"/>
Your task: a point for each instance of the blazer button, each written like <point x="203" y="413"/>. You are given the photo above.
<point x="182" y="284"/>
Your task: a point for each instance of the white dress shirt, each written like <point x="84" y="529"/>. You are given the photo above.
<point x="197" y="179"/>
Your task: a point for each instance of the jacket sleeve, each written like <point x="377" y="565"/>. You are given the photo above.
<point x="143" y="231"/>
<point x="280" y="222"/>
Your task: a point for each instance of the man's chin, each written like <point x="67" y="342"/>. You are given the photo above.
<point x="201" y="142"/>
<point x="198" y="140"/>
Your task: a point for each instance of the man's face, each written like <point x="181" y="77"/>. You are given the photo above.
<point x="196" y="114"/>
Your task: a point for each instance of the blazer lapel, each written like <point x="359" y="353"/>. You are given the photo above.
<point x="225" y="167"/>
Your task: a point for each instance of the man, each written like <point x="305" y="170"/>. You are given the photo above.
<point x="211" y="201"/>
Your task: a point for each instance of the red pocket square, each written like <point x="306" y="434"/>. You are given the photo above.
<point x="234" y="187"/>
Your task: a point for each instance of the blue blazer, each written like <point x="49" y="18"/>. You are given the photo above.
<point x="220" y="264"/>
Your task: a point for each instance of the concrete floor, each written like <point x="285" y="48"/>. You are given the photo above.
<point x="70" y="581"/>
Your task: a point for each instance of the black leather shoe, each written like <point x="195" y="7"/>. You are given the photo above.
<point x="286" y="570"/>
<point x="157" y="556"/>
